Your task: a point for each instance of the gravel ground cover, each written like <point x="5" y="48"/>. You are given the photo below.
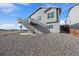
<point x="54" y="44"/>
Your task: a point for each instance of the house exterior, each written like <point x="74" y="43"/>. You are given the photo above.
<point x="45" y="20"/>
<point x="73" y="16"/>
<point x="73" y="19"/>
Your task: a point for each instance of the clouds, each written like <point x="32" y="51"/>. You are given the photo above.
<point x="49" y="5"/>
<point x="11" y="26"/>
<point x="7" y="8"/>
<point x="9" y="13"/>
<point x="25" y="4"/>
<point x="52" y="5"/>
<point x="62" y="22"/>
<point x="8" y="26"/>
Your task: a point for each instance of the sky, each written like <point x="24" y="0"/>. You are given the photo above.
<point x="9" y="12"/>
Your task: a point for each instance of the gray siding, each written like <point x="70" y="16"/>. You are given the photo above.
<point x="54" y="21"/>
<point x="45" y="20"/>
<point x="56" y="27"/>
<point x="51" y="19"/>
<point x="73" y="16"/>
<point x="39" y="13"/>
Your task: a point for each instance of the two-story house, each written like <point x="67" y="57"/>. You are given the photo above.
<point x="45" y="20"/>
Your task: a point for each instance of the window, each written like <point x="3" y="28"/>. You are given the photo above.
<point x="50" y="15"/>
<point x="51" y="26"/>
<point x="39" y="18"/>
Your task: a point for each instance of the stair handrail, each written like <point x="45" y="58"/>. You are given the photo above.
<point x="40" y="23"/>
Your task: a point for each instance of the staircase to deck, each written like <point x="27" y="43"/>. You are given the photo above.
<point x="34" y="26"/>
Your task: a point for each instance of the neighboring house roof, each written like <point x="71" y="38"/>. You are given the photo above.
<point x="71" y="9"/>
<point x="47" y="9"/>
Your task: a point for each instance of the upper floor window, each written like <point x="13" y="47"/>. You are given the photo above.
<point x="39" y="18"/>
<point x="50" y="15"/>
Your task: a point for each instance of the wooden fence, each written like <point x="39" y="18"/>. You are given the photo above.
<point x="74" y="31"/>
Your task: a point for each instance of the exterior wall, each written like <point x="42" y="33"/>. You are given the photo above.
<point x="73" y="17"/>
<point x="39" y="13"/>
<point x="54" y="21"/>
<point x="56" y="27"/>
<point x="73" y="20"/>
<point x="45" y="20"/>
<point x="41" y="29"/>
<point x="51" y="19"/>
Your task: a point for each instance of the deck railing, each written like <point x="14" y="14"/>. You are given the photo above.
<point x="29" y="24"/>
<point x="37" y="22"/>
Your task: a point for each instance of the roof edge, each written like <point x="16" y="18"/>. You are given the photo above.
<point x="42" y="8"/>
<point x="72" y="7"/>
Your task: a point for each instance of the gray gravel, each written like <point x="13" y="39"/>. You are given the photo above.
<point x="40" y="45"/>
